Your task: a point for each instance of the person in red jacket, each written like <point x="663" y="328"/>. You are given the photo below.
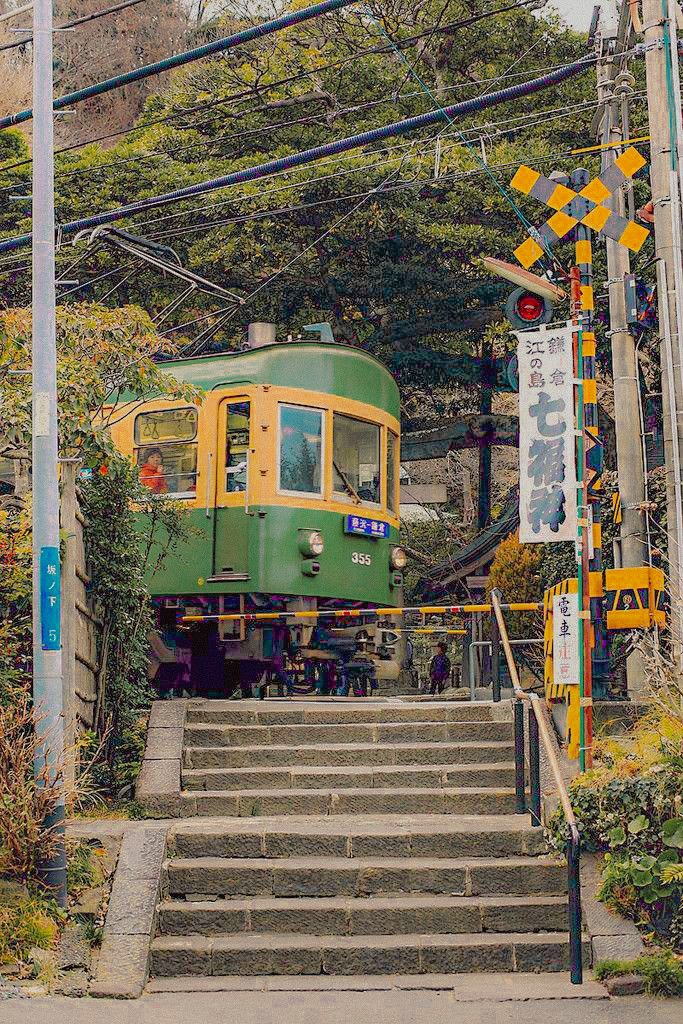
<point x="152" y="472"/>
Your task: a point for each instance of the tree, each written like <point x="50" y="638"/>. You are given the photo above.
<point x="94" y="51"/>
<point x="392" y="270"/>
<point x="102" y="355"/>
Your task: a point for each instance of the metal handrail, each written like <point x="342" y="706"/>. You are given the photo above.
<point x="538" y="729"/>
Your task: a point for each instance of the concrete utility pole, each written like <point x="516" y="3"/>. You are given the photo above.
<point x="612" y="88"/>
<point x="47" y="655"/>
<point x="663" y="95"/>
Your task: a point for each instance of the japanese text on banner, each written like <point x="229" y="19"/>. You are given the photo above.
<point x="547" y="466"/>
<point x="566" y="639"/>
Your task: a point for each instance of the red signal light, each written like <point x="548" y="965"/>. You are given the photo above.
<point x="530" y="307"/>
<point x="527" y="309"/>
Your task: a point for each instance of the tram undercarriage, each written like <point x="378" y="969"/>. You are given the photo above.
<point x="294" y="654"/>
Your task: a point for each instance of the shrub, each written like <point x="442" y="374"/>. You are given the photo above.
<point x="661" y="972"/>
<point x="630" y="809"/>
<point x="25" y="801"/>
<point x="27" y="920"/>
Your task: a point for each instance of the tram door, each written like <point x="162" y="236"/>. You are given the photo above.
<point x="231" y="523"/>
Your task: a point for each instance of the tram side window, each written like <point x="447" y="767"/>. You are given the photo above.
<point x="356" y="460"/>
<point x="236" y="447"/>
<point x="392" y="459"/>
<point x="166" y="451"/>
<point x="301" y="446"/>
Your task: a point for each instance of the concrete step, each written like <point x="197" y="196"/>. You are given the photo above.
<point x="419" y="835"/>
<point x="396" y="800"/>
<point x="363" y="876"/>
<point x="358" y="777"/>
<point x="374" y="915"/>
<point x="203" y="735"/>
<point x="268" y="954"/>
<point x="343" y="754"/>
<point x="461" y="988"/>
<point x="285" y="712"/>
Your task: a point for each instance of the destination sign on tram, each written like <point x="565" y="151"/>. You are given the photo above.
<point x="366" y="527"/>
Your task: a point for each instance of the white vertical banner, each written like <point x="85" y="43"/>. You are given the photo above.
<point x="547" y="462"/>
<point x="566" y="639"/>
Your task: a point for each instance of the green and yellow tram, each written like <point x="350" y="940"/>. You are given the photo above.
<point x="289" y="471"/>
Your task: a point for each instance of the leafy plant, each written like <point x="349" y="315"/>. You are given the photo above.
<point x="26" y="799"/>
<point x="630" y="809"/>
<point x="123" y="549"/>
<point x="27" y="920"/>
<point x="661" y="972"/>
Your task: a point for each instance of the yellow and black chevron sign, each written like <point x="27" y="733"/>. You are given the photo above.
<point x="570" y="207"/>
<point x="616" y="508"/>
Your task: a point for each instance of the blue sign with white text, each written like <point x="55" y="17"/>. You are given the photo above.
<point x="50" y="587"/>
<point x="366" y="527"/>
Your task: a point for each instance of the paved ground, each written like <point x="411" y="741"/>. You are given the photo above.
<point x="336" y="1008"/>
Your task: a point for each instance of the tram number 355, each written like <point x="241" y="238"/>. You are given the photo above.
<point x="359" y="558"/>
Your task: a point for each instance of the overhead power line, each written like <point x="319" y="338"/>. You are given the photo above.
<point x="318" y="152"/>
<point x="76" y="22"/>
<point x="187" y="56"/>
<point x="249" y="133"/>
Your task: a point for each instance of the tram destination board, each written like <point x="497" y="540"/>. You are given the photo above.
<point x="364" y="527"/>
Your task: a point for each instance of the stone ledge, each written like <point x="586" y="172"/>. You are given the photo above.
<point x="612" y="936"/>
<point x="131" y="918"/>
<point x="158" y="785"/>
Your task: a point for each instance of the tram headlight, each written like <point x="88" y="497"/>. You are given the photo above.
<point x="398" y="559"/>
<point x="311" y="543"/>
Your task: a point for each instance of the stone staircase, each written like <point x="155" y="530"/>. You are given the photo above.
<point x="346" y="838"/>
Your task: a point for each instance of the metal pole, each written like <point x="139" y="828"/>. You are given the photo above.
<point x="47" y="655"/>
<point x="583" y="582"/>
<point x="485" y="451"/>
<point x="600" y="669"/>
<point x="495" y="652"/>
<point x="614" y="90"/>
<point x="664" y="132"/>
<point x="574" y="889"/>
<point x="534" y="770"/>
<point x="520" y="794"/>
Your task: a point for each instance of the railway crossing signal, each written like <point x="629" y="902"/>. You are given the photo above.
<point x="581" y="210"/>
<point x="583" y="207"/>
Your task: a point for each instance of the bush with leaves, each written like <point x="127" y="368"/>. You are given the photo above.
<point x="130" y="534"/>
<point x="15" y="600"/>
<point x="629" y="808"/>
<point x="26" y="798"/>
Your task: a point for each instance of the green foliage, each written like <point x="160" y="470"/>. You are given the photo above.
<point x="84" y="870"/>
<point x="115" y="768"/>
<point x="27" y="920"/>
<point x="101" y="353"/>
<point x="15" y="600"/>
<point x="629" y="808"/>
<point x="131" y="532"/>
<point x="395" y="269"/>
<point x="661" y="972"/>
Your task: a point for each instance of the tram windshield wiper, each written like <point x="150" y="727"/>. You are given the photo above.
<point x="347" y="484"/>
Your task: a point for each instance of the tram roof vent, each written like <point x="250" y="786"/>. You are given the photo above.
<point x="260" y="334"/>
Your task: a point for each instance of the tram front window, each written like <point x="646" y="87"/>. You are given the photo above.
<point x="236" y="447"/>
<point x="301" y="447"/>
<point x="356" y="457"/>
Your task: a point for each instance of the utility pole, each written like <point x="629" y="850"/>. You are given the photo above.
<point x="613" y="87"/>
<point x="47" y="655"/>
<point x="663" y="96"/>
